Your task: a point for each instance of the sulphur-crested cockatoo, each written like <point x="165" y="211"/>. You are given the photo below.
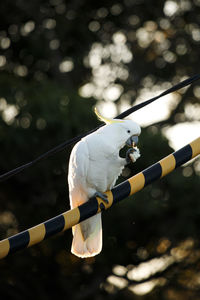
<point x="94" y="167"/>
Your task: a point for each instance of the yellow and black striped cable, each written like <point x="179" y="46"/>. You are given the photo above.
<point x="72" y="217"/>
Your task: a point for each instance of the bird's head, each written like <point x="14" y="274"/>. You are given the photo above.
<point x="125" y="132"/>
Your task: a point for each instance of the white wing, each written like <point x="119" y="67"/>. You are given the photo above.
<point x="77" y="173"/>
<point x="87" y="240"/>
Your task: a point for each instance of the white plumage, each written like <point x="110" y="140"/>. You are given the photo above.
<point x="94" y="166"/>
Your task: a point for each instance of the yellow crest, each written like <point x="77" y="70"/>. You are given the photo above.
<point x="106" y="120"/>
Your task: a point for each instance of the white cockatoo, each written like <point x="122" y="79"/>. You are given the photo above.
<point x="94" y="167"/>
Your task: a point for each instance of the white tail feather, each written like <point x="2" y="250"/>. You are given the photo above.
<point x="87" y="240"/>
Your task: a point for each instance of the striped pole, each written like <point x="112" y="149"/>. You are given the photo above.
<point x="72" y="217"/>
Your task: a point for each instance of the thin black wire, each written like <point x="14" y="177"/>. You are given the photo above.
<point x="174" y="88"/>
<point x="69" y="142"/>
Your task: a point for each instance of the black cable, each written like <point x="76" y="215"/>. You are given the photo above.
<point x="174" y="88"/>
<point x="67" y="143"/>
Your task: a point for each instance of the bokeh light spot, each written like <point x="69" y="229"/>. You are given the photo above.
<point x="66" y="66"/>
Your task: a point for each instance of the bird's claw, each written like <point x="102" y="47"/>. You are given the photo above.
<point x="132" y="155"/>
<point x="128" y="159"/>
<point x="104" y="197"/>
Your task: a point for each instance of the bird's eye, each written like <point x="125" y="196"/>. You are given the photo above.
<point x="128" y="131"/>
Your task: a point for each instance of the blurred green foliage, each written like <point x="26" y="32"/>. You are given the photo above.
<point x="40" y="107"/>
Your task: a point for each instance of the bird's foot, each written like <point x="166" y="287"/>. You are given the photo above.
<point x="132" y="155"/>
<point x="104" y="197"/>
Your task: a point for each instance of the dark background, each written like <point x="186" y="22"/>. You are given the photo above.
<point x="40" y="107"/>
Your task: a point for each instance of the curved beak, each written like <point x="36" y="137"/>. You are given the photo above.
<point x="132" y="141"/>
